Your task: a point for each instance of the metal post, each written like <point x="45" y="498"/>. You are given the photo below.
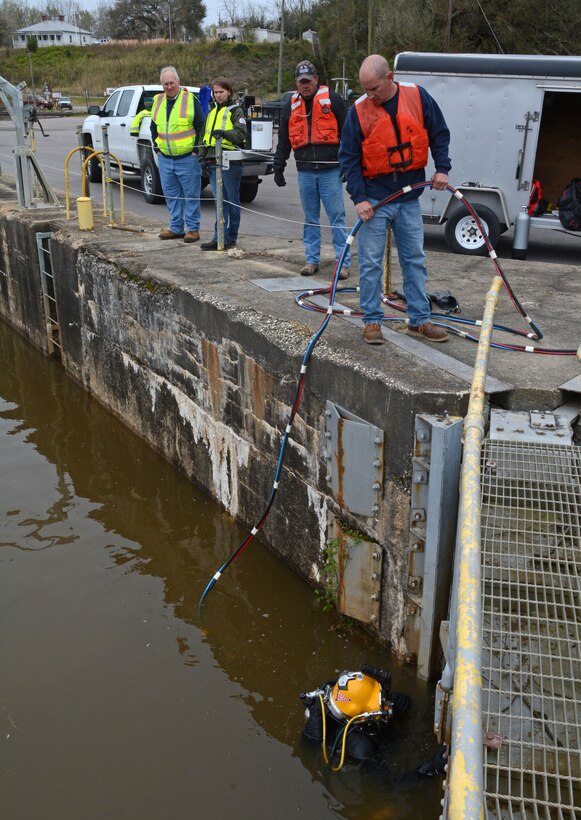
<point x="219" y="194"/>
<point x="281" y="47"/>
<point x="107" y="180"/>
<point x="81" y="144"/>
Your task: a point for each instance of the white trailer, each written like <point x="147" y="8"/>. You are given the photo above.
<point x="512" y="118"/>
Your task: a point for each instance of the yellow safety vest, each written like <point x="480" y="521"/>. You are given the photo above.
<point x="178" y="136"/>
<point x="220" y="119"/>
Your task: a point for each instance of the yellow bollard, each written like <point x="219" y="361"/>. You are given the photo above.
<point x="85" y="212"/>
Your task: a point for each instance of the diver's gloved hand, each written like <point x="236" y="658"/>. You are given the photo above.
<point x="437" y="763"/>
<point x="279" y="179"/>
<point x="399" y="701"/>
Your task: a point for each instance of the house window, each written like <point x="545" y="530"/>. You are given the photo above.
<point x="52" y="37"/>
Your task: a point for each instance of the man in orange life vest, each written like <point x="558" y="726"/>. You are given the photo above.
<point x="384" y="147"/>
<point x="311" y="123"/>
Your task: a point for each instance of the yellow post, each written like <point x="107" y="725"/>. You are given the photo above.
<point x="85" y="212"/>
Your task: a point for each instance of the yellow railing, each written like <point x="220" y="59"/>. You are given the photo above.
<point x="465" y="779"/>
<point x="106" y="182"/>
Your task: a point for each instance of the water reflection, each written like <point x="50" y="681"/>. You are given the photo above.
<point x="207" y="712"/>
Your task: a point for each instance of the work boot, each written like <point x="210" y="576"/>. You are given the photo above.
<point x="372" y="334"/>
<point x="167" y="234"/>
<point x="309" y="269"/>
<point x="344" y="273"/>
<point x="429" y="332"/>
<point x="192" y="236"/>
<point x="212" y="245"/>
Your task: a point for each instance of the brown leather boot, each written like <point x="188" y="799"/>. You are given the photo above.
<point x="429" y="332"/>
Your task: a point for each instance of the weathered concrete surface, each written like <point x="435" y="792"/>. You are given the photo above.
<point x="203" y="364"/>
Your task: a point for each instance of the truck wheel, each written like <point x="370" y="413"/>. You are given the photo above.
<point x="94" y="166"/>
<point x="463" y="235"/>
<point x="249" y="189"/>
<point x="150" y="182"/>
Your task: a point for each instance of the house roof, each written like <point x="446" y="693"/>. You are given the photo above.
<point x="52" y="26"/>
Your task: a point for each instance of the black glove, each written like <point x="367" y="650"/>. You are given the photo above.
<point x="219" y="132"/>
<point x="279" y="179"/>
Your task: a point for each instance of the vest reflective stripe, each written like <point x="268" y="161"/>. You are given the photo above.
<point x="324" y="129"/>
<point x="226" y="124"/>
<point x="176" y="136"/>
<point x="386" y="149"/>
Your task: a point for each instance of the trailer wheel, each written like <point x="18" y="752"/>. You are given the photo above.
<point x="150" y="182"/>
<point x="463" y="235"/>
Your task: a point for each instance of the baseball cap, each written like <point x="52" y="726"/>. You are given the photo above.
<point x="305" y="70"/>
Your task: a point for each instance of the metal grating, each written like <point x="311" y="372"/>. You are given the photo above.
<point x="531" y="661"/>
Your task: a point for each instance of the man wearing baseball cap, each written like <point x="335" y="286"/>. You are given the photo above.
<point x="311" y="123"/>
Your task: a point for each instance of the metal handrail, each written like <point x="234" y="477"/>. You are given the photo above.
<point x="466" y="767"/>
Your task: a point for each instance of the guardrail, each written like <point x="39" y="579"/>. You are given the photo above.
<point x="462" y="675"/>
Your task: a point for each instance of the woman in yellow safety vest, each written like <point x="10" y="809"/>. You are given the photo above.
<point x="225" y="121"/>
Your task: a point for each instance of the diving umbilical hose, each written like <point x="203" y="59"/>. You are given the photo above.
<point x="534" y="335"/>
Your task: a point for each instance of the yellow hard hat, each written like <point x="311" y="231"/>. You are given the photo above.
<point x="353" y="694"/>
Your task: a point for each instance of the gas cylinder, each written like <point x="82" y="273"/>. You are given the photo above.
<point x="522" y="227"/>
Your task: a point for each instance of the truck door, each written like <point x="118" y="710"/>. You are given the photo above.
<point x="119" y="125"/>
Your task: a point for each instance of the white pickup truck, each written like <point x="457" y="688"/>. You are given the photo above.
<point x="136" y="154"/>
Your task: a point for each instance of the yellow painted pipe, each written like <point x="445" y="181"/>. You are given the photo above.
<point x="466" y="763"/>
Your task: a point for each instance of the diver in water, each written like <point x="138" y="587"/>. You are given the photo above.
<point x="349" y="718"/>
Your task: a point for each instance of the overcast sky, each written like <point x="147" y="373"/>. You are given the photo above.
<point x="213" y="9"/>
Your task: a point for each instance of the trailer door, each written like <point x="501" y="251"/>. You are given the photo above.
<point x="558" y="155"/>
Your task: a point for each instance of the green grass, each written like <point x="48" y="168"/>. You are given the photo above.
<point x="79" y="71"/>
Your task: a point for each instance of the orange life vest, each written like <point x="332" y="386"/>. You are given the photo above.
<point x="324" y="128"/>
<point x="386" y="150"/>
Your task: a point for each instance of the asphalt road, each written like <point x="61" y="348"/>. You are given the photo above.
<point x="275" y="211"/>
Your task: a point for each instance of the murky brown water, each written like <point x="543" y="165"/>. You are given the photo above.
<point x="117" y="702"/>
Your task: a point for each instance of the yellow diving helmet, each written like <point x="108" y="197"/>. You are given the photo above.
<point x="353" y="694"/>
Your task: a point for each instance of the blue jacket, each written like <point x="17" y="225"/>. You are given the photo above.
<point x="360" y="188"/>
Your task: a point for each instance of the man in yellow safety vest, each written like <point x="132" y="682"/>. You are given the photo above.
<point x="177" y="123"/>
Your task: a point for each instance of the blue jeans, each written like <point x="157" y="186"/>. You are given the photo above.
<point x="181" y="181"/>
<point x="231" y="186"/>
<point x="405" y="218"/>
<point x="326" y="187"/>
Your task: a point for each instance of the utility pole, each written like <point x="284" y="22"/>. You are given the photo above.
<point x="280" y="51"/>
<point x="448" y="27"/>
<point x="371" y="27"/>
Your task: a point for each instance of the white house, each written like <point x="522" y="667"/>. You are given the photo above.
<point x="259" y="35"/>
<point x="263" y="35"/>
<point x="53" y="33"/>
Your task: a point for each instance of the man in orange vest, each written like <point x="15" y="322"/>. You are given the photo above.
<point x="311" y="123"/>
<point x="177" y="125"/>
<point x="384" y="147"/>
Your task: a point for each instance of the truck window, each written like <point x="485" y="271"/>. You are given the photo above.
<point x="111" y="104"/>
<point x="124" y="104"/>
<point x="146" y="101"/>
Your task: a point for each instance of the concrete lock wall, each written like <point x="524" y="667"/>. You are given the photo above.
<point x="209" y="383"/>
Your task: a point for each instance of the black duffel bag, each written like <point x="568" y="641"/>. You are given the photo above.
<point x="569" y="206"/>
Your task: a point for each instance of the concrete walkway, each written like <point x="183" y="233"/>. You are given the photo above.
<point x="243" y="277"/>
